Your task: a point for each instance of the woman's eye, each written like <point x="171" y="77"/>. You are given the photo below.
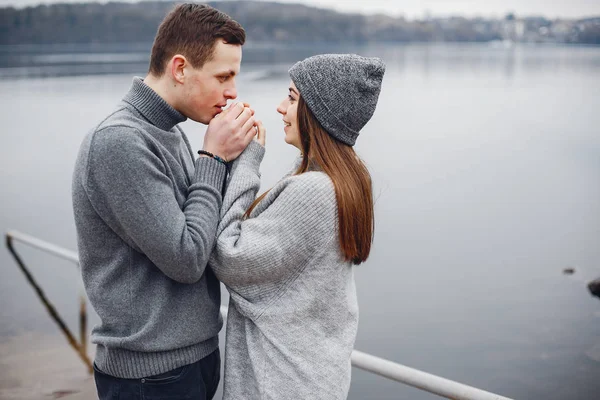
<point x="290" y="97"/>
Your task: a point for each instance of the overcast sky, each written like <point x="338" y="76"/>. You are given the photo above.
<point x="417" y="8"/>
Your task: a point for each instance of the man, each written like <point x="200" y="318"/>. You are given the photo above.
<point x="146" y="213"/>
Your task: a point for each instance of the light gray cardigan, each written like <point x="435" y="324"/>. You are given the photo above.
<point x="293" y="312"/>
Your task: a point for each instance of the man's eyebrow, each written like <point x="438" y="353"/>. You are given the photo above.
<point x="292" y="90"/>
<point x="228" y="73"/>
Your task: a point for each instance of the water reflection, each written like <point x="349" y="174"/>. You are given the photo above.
<point x="72" y="60"/>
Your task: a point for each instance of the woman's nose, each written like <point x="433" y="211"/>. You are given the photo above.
<point x="281" y="108"/>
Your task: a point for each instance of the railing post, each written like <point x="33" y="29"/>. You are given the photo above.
<point x="83" y="328"/>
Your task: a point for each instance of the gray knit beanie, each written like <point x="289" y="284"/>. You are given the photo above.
<point x="341" y="90"/>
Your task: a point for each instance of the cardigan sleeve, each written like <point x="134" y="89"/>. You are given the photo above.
<point x="297" y="218"/>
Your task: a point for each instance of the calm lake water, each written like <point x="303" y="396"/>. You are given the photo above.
<point x="486" y="163"/>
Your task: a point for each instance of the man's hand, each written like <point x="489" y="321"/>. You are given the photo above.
<point x="229" y="133"/>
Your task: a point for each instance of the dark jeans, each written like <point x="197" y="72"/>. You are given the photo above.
<point x="197" y="381"/>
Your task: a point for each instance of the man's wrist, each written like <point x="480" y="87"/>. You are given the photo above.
<point x="211" y="155"/>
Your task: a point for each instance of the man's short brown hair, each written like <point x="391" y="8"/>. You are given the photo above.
<point x="192" y="31"/>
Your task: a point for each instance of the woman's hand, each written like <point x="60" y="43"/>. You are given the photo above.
<point x="261" y="134"/>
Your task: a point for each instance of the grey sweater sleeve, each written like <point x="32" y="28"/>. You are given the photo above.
<point x="128" y="186"/>
<point x="296" y="218"/>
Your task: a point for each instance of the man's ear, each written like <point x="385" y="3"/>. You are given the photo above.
<point x="177" y="66"/>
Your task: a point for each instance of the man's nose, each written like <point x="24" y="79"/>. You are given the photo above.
<point x="230" y="93"/>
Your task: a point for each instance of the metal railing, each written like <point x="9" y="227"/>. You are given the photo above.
<point x="79" y="346"/>
<point x="379" y="366"/>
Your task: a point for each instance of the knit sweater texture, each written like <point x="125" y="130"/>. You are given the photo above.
<point x="293" y="312"/>
<point x="146" y="216"/>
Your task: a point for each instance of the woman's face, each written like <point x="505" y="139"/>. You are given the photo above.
<point x="287" y="108"/>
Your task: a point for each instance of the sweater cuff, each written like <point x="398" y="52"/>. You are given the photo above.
<point x="251" y="157"/>
<point x="211" y="172"/>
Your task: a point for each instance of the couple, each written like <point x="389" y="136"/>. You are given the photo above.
<point x="157" y="229"/>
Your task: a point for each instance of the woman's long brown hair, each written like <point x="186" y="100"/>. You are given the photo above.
<point x="351" y="181"/>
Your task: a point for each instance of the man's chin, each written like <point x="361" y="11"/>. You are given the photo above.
<point x="206" y="117"/>
<point x="201" y="119"/>
<point x="214" y="114"/>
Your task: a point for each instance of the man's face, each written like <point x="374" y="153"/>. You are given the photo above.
<point x="207" y="89"/>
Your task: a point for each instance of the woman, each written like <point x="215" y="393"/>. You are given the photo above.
<point x="286" y="257"/>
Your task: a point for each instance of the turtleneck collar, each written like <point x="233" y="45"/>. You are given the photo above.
<point x="153" y="107"/>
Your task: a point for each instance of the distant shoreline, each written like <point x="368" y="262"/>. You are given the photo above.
<point x="420" y="18"/>
<point x="281" y="23"/>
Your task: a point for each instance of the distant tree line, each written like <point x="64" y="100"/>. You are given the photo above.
<point x="268" y="21"/>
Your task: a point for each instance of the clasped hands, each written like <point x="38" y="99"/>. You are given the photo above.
<point x="231" y="131"/>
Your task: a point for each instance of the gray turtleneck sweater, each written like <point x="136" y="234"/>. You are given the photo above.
<point x="293" y="311"/>
<point x="146" y="215"/>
